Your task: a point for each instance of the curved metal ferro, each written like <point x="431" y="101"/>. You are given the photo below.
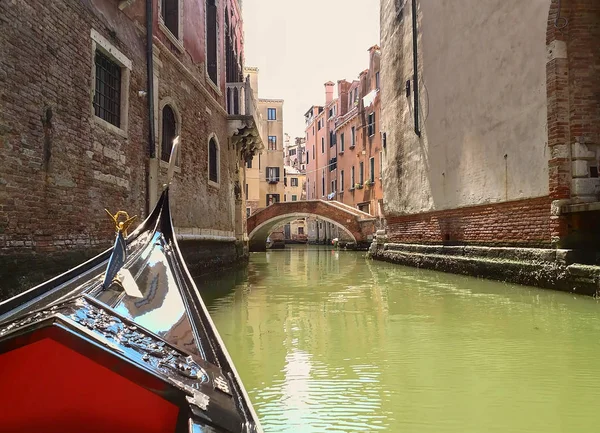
<point x="173" y="160"/>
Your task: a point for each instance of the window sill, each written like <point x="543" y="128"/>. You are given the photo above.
<point x="341" y="152"/>
<point x="212" y="84"/>
<point x="109" y="126"/>
<point x="215" y="185"/>
<point x="352" y="146"/>
<point x="165" y="165"/>
<point x="165" y="30"/>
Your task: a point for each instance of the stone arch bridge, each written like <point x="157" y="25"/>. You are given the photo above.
<point x="358" y="226"/>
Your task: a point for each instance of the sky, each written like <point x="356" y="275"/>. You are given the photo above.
<point x="298" y="45"/>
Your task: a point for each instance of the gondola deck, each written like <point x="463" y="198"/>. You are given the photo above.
<point x="77" y="356"/>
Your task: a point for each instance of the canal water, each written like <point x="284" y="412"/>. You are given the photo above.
<point x="327" y="341"/>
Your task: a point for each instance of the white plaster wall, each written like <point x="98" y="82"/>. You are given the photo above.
<point x="483" y="96"/>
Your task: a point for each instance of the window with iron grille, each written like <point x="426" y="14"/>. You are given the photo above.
<point x="169" y="11"/>
<point x="271" y="114"/>
<point x="371" y="128"/>
<point x="213" y="161"/>
<point x="272" y="142"/>
<point x="169" y="131"/>
<point x="107" y="94"/>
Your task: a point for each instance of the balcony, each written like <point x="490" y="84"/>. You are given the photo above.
<point x="244" y="119"/>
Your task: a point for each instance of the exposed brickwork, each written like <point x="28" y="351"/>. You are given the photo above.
<point x="517" y="223"/>
<point x="573" y="91"/>
<point x="60" y="167"/>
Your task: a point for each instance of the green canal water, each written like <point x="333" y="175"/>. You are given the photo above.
<point x="327" y="341"/>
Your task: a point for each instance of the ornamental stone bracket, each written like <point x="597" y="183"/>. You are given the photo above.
<point x="245" y="136"/>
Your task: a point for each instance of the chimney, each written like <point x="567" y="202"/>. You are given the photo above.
<point x="329" y="92"/>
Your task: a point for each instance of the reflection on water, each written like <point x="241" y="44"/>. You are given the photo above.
<point x="327" y="341"/>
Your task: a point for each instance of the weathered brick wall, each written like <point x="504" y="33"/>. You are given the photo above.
<point x="195" y="202"/>
<point x="58" y="168"/>
<point x="573" y="92"/>
<point x="516" y="223"/>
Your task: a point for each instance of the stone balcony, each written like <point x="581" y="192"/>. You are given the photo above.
<point x="244" y="119"/>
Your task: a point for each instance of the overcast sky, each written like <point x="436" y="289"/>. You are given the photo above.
<point x="298" y="45"/>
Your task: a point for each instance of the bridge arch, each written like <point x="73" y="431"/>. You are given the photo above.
<point x="358" y="226"/>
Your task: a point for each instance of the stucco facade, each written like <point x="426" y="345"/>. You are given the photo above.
<point x="500" y="143"/>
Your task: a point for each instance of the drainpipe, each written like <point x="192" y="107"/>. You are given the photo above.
<point x="415" y="68"/>
<point x="150" y="96"/>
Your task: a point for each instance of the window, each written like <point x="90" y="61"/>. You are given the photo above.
<point x="319" y="124"/>
<point x="323" y="183"/>
<point x="333" y="185"/>
<point x="247" y="212"/>
<point x="342" y="181"/>
<point x="292" y="152"/>
<point x="307" y="156"/>
<point x="377" y="80"/>
<point x="371" y="127"/>
<point x="169" y="13"/>
<point x="107" y="95"/>
<point x="372" y="169"/>
<point x="300" y="230"/>
<point x="294" y="197"/>
<point x="273" y="198"/>
<point x="259" y="161"/>
<point x="322" y="144"/>
<point x="313" y="153"/>
<point x="352" y="177"/>
<point x="272" y="174"/>
<point x="213" y="160"/>
<point x="284" y="184"/>
<point x="353" y="137"/>
<point x="364" y="207"/>
<point x="169" y="132"/>
<point x="361" y="173"/>
<point x="271" y="114"/>
<point x="110" y="84"/>
<point x="249" y="163"/>
<point x="212" y="66"/>
<point x="342" y="142"/>
<point x="246" y="191"/>
<point x="380" y="164"/>
<point x="272" y="142"/>
<point x="294" y="181"/>
<point x="332" y="139"/>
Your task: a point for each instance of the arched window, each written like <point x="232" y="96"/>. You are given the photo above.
<point x="213" y="160"/>
<point x="169" y="132"/>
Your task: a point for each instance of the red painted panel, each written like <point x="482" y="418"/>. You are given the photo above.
<point x="48" y="387"/>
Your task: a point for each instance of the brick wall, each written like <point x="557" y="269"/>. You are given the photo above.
<point x="516" y="223"/>
<point x="58" y="168"/>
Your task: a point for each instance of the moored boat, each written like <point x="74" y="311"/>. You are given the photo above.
<point x="121" y="343"/>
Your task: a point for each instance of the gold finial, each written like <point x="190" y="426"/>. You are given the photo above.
<point x="121" y="226"/>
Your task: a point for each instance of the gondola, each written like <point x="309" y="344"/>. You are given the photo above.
<point x="121" y="343"/>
